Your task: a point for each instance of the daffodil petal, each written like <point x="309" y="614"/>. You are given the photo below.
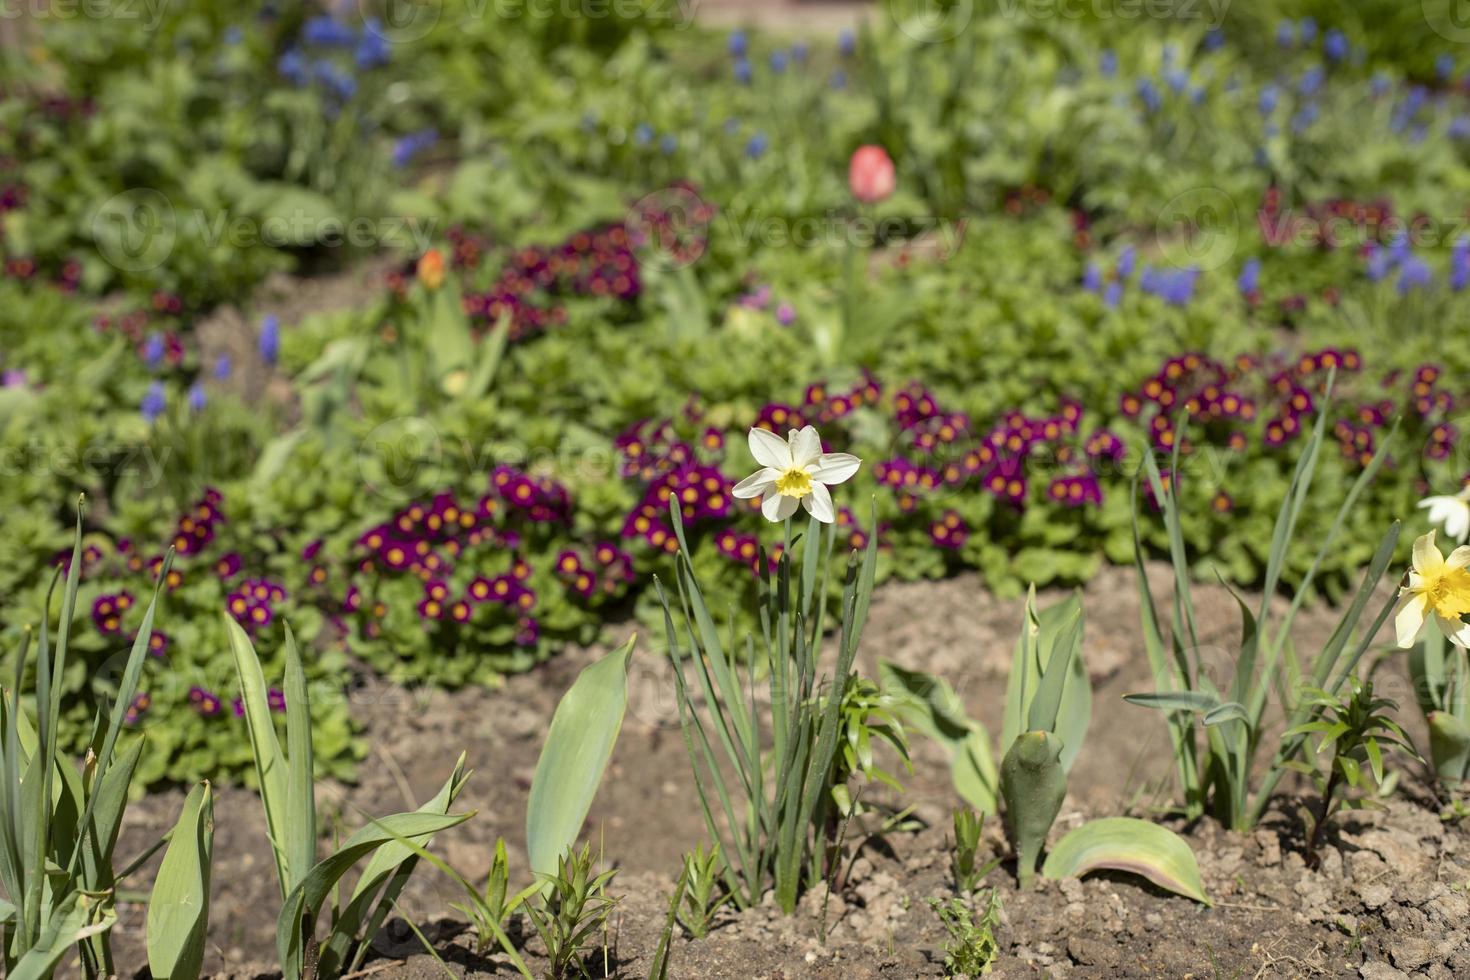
<point x="818" y="503"/>
<point x="806" y="446"/>
<point x="777" y="507"/>
<point x="834" y="468"/>
<point x="769" y="449"/>
<point x="1459" y="558"/>
<point x="758" y="484"/>
<point x="1426" y="554"/>
<point x="1409" y="620"/>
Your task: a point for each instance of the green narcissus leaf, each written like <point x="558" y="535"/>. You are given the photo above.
<point x="1131" y="845"/>
<point x="578" y="747"/>
<point x="932" y="706"/>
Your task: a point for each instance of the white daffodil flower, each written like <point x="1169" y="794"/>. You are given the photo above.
<point x="1439" y="588"/>
<point x="1452" y="513"/>
<point x="794" y="471"/>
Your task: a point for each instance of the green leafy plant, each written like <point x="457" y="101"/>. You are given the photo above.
<point x="778" y="802"/>
<point x="490" y="907"/>
<point x="59" y="824"/>
<point x="1216" y="773"/>
<point x="971" y="949"/>
<point x="391" y="844"/>
<point x="572" y="908"/>
<point x="1440" y="676"/>
<point x="702" y="890"/>
<point x="1355" y="729"/>
<point x="964" y="863"/>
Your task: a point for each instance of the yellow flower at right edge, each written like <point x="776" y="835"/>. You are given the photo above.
<point x="1438" y="587"/>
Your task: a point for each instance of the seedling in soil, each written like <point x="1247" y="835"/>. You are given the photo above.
<point x="574" y="906"/>
<point x="963" y="860"/>
<point x="971" y="948"/>
<point x="1356" y="729"/>
<point x="488" y="910"/>
<point x="703" y="894"/>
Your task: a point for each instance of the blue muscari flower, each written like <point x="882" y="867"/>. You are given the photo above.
<point x="799" y="52"/>
<point x="1304" y="118"/>
<point x="839" y="79"/>
<point x="1460" y="264"/>
<point x="343" y="85"/>
<point x="738" y="44"/>
<point x="1335" y="45"/>
<point x="732" y="125"/>
<point x="1270" y="96"/>
<point x="197" y="398"/>
<point x="778" y="61"/>
<point x="1286" y="33"/>
<point x="1308" y="30"/>
<point x="270" y="338"/>
<point x="1149" y="94"/>
<point x="1311" y="80"/>
<point x="153" y="351"/>
<point x="154" y="402"/>
<point x="1414" y="274"/>
<point x="1114" y="295"/>
<point x="324" y="31"/>
<point x="233" y="35"/>
<point x="292" y="67"/>
<point x="1444" y="66"/>
<point x="405" y="148"/>
<point x="1168" y="55"/>
<point x="373" y="50"/>
<point x="846" y="42"/>
<point x="668" y="143"/>
<point x="1214" y="39"/>
<point x="1176" y="79"/>
<point x="1380" y="261"/>
<point x="1092" y="278"/>
<point x="755" y="147"/>
<point x="1127" y="261"/>
<point x="1250" y="276"/>
<point x="1460" y="128"/>
<point x="1107" y="63"/>
<point x="643" y="134"/>
<point x="223" y="367"/>
<point x="742" y="71"/>
<point x="1380" y="84"/>
<point x="1197" y="95"/>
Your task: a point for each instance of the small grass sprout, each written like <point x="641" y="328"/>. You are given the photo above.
<point x="703" y="892"/>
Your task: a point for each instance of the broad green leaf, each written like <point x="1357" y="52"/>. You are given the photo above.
<point x="178" y="909"/>
<point x="1131" y="845"/>
<point x="1449" y="746"/>
<point x="578" y="747"/>
<point x="270" y="762"/>
<point x="932" y="707"/>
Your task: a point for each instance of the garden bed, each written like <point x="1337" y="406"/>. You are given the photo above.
<point x="1390" y="889"/>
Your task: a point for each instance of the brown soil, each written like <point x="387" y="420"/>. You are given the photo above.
<point x="1390" y="895"/>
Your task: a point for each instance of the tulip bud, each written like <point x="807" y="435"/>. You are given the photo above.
<point x="1033" y="784"/>
<point x="870" y="174"/>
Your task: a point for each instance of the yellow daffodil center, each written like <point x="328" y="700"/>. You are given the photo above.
<point x="1448" y="591"/>
<point x="794" y="483"/>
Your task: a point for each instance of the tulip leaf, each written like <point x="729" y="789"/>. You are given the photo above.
<point x="1449" y="746"/>
<point x="1130" y="845"/>
<point x="1049" y="637"/>
<point x="574" y="758"/>
<point x="178" y="908"/>
<point x="931" y="706"/>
